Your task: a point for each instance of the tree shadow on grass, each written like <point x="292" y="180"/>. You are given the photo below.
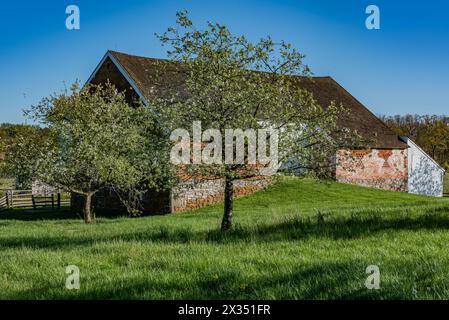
<point x="293" y="229"/>
<point x="38" y="215"/>
<point x="338" y="227"/>
<point x="49" y="214"/>
<point x="324" y="280"/>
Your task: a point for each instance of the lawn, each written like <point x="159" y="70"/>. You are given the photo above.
<point x="299" y="239"/>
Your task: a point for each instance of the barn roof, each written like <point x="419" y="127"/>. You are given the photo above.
<point x="141" y="73"/>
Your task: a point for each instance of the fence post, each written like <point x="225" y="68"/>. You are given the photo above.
<point x="52" y="201"/>
<point x="59" y="201"/>
<point x="12" y="198"/>
<point x="34" y="202"/>
<point x="7" y="199"/>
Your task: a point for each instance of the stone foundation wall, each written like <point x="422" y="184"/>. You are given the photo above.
<point x="186" y="196"/>
<point x="189" y="195"/>
<point x="107" y="203"/>
<point x="377" y="168"/>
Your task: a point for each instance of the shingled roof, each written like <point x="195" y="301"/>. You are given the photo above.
<point x="141" y="71"/>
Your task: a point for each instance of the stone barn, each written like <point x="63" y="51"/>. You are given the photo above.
<point x="392" y="162"/>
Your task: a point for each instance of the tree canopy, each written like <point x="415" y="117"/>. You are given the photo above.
<point x="99" y="142"/>
<point x="430" y="132"/>
<point x="11" y="136"/>
<point x="228" y="81"/>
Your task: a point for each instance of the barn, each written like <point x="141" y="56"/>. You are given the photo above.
<point x="392" y="162"/>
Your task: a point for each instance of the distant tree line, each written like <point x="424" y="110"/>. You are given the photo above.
<point x="430" y="132"/>
<point x="93" y="140"/>
<point x="11" y="134"/>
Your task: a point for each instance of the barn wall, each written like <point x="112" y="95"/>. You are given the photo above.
<point x="109" y="72"/>
<point x="107" y="203"/>
<point x="189" y="195"/>
<point x="377" y="168"/>
<point x="425" y="175"/>
<point x="186" y="196"/>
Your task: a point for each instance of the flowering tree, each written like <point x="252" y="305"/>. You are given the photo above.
<point x="227" y="82"/>
<point x="99" y="141"/>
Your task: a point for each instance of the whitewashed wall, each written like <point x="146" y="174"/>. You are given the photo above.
<point x="40" y="188"/>
<point x="425" y="176"/>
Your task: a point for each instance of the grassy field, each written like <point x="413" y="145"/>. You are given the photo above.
<point x="299" y="239"/>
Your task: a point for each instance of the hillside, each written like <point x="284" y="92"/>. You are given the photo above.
<point x="300" y="239"/>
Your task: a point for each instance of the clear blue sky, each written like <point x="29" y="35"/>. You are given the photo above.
<point x="401" y="68"/>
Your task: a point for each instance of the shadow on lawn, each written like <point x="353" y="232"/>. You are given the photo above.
<point x="335" y="228"/>
<point x="292" y="229"/>
<point x="45" y="214"/>
<point x="38" y="215"/>
<point x="324" y="280"/>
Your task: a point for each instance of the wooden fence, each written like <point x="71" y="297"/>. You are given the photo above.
<point x="25" y="199"/>
<point x="3" y="203"/>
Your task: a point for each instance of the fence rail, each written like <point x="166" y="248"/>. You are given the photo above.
<point x="3" y="203"/>
<point x="26" y="199"/>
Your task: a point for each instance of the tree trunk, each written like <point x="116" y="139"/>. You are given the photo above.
<point x="228" y="205"/>
<point x="87" y="210"/>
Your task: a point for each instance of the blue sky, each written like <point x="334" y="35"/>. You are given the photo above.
<point x="401" y="68"/>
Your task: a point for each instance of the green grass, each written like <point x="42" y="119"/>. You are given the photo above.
<point x="281" y="248"/>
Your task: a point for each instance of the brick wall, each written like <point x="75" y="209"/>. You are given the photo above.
<point x="378" y="168"/>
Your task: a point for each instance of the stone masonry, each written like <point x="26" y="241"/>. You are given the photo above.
<point x="186" y="196"/>
<point x="190" y="195"/>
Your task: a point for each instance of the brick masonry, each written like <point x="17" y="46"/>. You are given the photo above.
<point x="190" y="195"/>
<point x="377" y="168"/>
